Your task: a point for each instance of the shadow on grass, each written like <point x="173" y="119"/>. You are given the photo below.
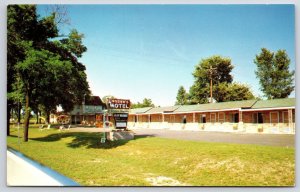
<point x="88" y="140"/>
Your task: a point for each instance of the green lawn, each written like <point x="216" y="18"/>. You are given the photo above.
<point x="147" y="161"/>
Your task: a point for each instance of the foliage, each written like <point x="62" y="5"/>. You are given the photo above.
<point x="182" y="96"/>
<point x="106" y="97"/>
<point x="18" y="28"/>
<point x="221" y="70"/>
<point x="273" y="73"/>
<point x="49" y="69"/>
<point x="146" y="103"/>
<point x="131" y="163"/>
<point x="232" y="92"/>
<point x="217" y="69"/>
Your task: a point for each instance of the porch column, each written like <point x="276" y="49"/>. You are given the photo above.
<point x="194" y="118"/>
<point x="240" y="116"/>
<point x="290" y="117"/>
<point x="241" y="126"/>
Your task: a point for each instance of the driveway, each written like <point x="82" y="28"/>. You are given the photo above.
<point x="285" y="140"/>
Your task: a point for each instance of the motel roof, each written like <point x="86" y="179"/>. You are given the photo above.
<point x="163" y="109"/>
<point x="274" y="103"/>
<point x="217" y="106"/>
<point x="139" y="110"/>
<point x="231" y="105"/>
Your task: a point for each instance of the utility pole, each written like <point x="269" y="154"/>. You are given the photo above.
<point x="210" y="76"/>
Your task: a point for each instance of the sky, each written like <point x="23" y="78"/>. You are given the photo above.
<point x="148" y="51"/>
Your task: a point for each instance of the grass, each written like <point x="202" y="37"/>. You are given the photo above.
<point x="147" y="161"/>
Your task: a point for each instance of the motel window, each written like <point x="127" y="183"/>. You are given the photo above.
<point x="184" y="119"/>
<point x="221" y="117"/>
<point x="202" y="118"/>
<point x="212" y="117"/>
<point x="135" y="118"/>
<point x="234" y="117"/>
<point x="258" y="118"/>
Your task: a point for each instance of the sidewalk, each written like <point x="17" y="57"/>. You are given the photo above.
<point x="22" y="171"/>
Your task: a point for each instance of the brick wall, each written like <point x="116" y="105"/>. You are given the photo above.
<point x="131" y="118"/>
<point x="281" y="114"/>
<point x="221" y="118"/>
<point x="156" y="118"/>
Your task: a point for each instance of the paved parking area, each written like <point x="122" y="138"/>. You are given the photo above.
<point x="286" y="140"/>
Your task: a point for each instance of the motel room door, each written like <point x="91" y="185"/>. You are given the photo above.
<point x="274" y="121"/>
<point x="172" y="119"/>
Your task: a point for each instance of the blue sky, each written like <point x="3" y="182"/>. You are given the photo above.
<point x="148" y="51"/>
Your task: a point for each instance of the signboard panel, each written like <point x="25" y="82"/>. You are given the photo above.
<point x="118" y="104"/>
<point x="120" y="120"/>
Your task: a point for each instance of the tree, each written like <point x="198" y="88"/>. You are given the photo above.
<point x="14" y="54"/>
<point x="232" y="92"/>
<point x="146" y="103"/>
<point x="38" y="71"/>
<point x="49" y="69"/>
<point x="22" y="27"/>
<point x="106" y="97"/>
<point x="275" y="79"/>
<point x="182" y="96"/>
<point x="215" y="68"/>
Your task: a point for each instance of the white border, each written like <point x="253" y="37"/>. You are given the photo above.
<point x="3" y="4"/>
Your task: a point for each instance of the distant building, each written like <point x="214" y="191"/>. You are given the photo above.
<point x="87" y="111"/>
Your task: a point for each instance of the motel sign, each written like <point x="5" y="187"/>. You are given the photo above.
<point x="119" y="103"/>
<point x="116" y="107"/>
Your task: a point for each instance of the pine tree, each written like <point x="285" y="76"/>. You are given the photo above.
<point x="181" y="96"/>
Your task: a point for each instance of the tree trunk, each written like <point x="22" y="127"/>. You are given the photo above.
<point x="40" y="115"/>
<point x="8" y="118"/>
<point x="19" y="112"/>
<point x="27" y="117"/>
<point x="37" y="117"/>
<point x="48" y="117"/>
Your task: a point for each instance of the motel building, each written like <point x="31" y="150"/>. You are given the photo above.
<point x="249" y="116"/>
<point x="85" y="113"/>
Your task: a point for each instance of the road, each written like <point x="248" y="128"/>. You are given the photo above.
<point x="286" y="140"/>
